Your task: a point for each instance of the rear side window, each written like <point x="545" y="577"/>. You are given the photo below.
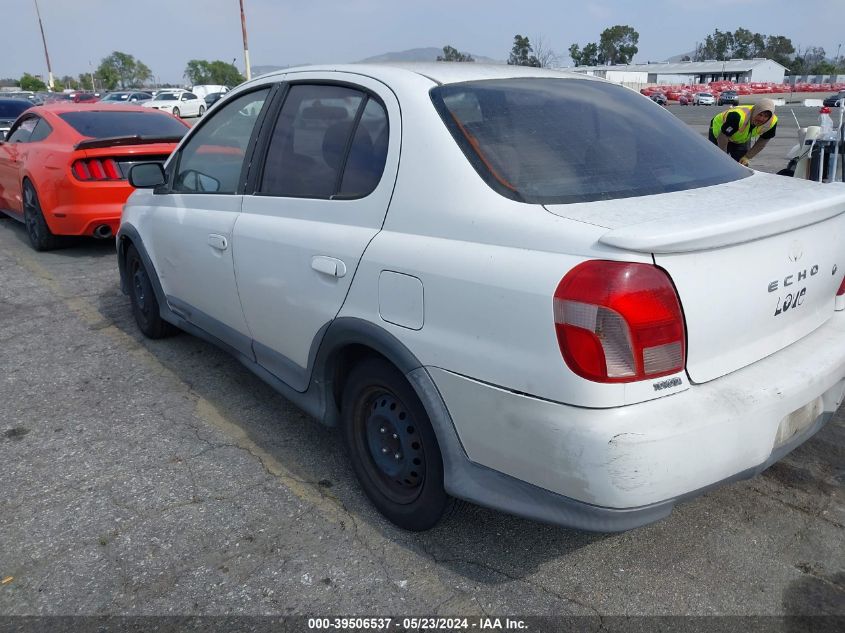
<point x="329" y="141"/>
<point x="556" y="141"/>
<point x="42" y="130"/>
<point x="107" y="124"/>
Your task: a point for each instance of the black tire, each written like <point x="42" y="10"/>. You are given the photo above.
<point x="202" y="111"/>
<point x="145" y="306"/>
<point x="40" y="236"/>
<point x="176" y="112"/>
<point x="392" y="445"/>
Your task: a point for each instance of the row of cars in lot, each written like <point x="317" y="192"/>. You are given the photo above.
<point x="496" y="282"/>
<point x="727" y="97"/>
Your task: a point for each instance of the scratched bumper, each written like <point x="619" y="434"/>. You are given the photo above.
<point x="659" y="451"/>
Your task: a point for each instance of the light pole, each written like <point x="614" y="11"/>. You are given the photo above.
<point x="246" y="46"/>
<point x="50" y="82"/>
<point x="836" y="63"/>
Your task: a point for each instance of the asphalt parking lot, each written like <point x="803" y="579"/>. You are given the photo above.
<point x="161" y="477"/>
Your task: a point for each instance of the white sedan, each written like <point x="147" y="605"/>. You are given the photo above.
<point x="501" y="285"/>
<point x="181" y="104"/>
<point x="703" y="98"/>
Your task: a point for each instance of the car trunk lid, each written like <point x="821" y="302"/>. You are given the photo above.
<point x="756" y="262"/>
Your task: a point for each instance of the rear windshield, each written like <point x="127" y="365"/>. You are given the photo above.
<point x="556" y="141"/>
<point x="109" y="124"/>
<point x="12" y="108"/>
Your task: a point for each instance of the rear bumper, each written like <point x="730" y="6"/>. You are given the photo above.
<point x="613" y="469"/>
<point x="83" y="207"/>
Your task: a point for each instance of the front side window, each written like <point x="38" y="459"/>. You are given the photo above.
<point x="329" y="142"/>
<point x="211" y="161"/>
<point x="557" y="141"/>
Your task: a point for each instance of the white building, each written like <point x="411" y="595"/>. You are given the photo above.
<point x="737" y="70"/>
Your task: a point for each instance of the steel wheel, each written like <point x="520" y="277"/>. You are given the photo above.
<point x="389" y="434"/>
<point x="392" y="446"/>
<point x="145" y="306"/>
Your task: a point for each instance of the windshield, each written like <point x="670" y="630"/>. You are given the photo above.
<point x="117" y="124"/>
<point x="10" y="109"/>
<point x="555" y="141"/>
<point x="167" y="96"/>
<point x="117" y="96"/>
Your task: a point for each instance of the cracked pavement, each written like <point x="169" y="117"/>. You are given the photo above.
<point x="161" y="478"/>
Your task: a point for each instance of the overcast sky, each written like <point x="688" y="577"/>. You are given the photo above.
<point x="165" y="34"/>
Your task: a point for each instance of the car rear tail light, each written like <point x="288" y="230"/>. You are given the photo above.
<point x="840" y="297"/>
<point x="96" y="169"/>
<point x="619" y="322"/>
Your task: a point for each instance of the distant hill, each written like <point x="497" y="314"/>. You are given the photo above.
<point x="676" y="58"/>
<point x="428" y="54"/>
<point x="412" y="55"/>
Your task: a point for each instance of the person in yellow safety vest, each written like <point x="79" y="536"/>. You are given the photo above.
<point x="733" y="129"/>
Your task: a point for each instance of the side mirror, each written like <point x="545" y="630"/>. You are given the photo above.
<point x="147" y="176"/>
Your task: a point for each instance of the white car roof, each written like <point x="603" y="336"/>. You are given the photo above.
<point x="439" y="72"/>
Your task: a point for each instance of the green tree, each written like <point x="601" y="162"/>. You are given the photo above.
<point x="587" y="56"/>
<point x="451" y="54"/>
<point x="521" y="53"/>
<point x="715" y="46"/>
<point x="201" y="71"/>
<point x="780" y="49"/>
<point x="743" y="44"/>
<point x="65" y="82"/>
<point x="30" y="82"/>
<point x="805" y="63"/>
<point x="122" y="69"/>
<point x="618" y="44"/>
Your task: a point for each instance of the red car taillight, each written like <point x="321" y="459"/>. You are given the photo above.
<point x="619" y="322"/>
<point x="841" y="290"/>
<point x="96" y="169"/>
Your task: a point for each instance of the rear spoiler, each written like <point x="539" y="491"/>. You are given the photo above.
<point x="113" y="141"/>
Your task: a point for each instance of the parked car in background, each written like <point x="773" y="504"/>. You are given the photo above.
<point x="728" y="97"/>
<point x="212" y="98"/>
<point x="10" y="110"/>
<point x="684" y="99"/>
<point x="202" y="91"/>
<point x="76" y="97"/>
<point x="126" y="97"/>
<point x="64" y="167"/>
<point x="834" y="100"/>
<point x="181" y="104"/>
<point x="33" y="98"/>
<point x="659" y="98"/>
<point x="530" y="320"/>
<point x="703" y="98"/>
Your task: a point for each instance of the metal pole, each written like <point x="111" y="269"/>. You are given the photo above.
<point x="50" y="82"/>
<point x="246" y="46"/>
<point x="91" y="68"/>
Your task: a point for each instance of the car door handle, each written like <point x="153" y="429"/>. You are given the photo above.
<point x="328" y="265"/>
<point x="218" y="241"/>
